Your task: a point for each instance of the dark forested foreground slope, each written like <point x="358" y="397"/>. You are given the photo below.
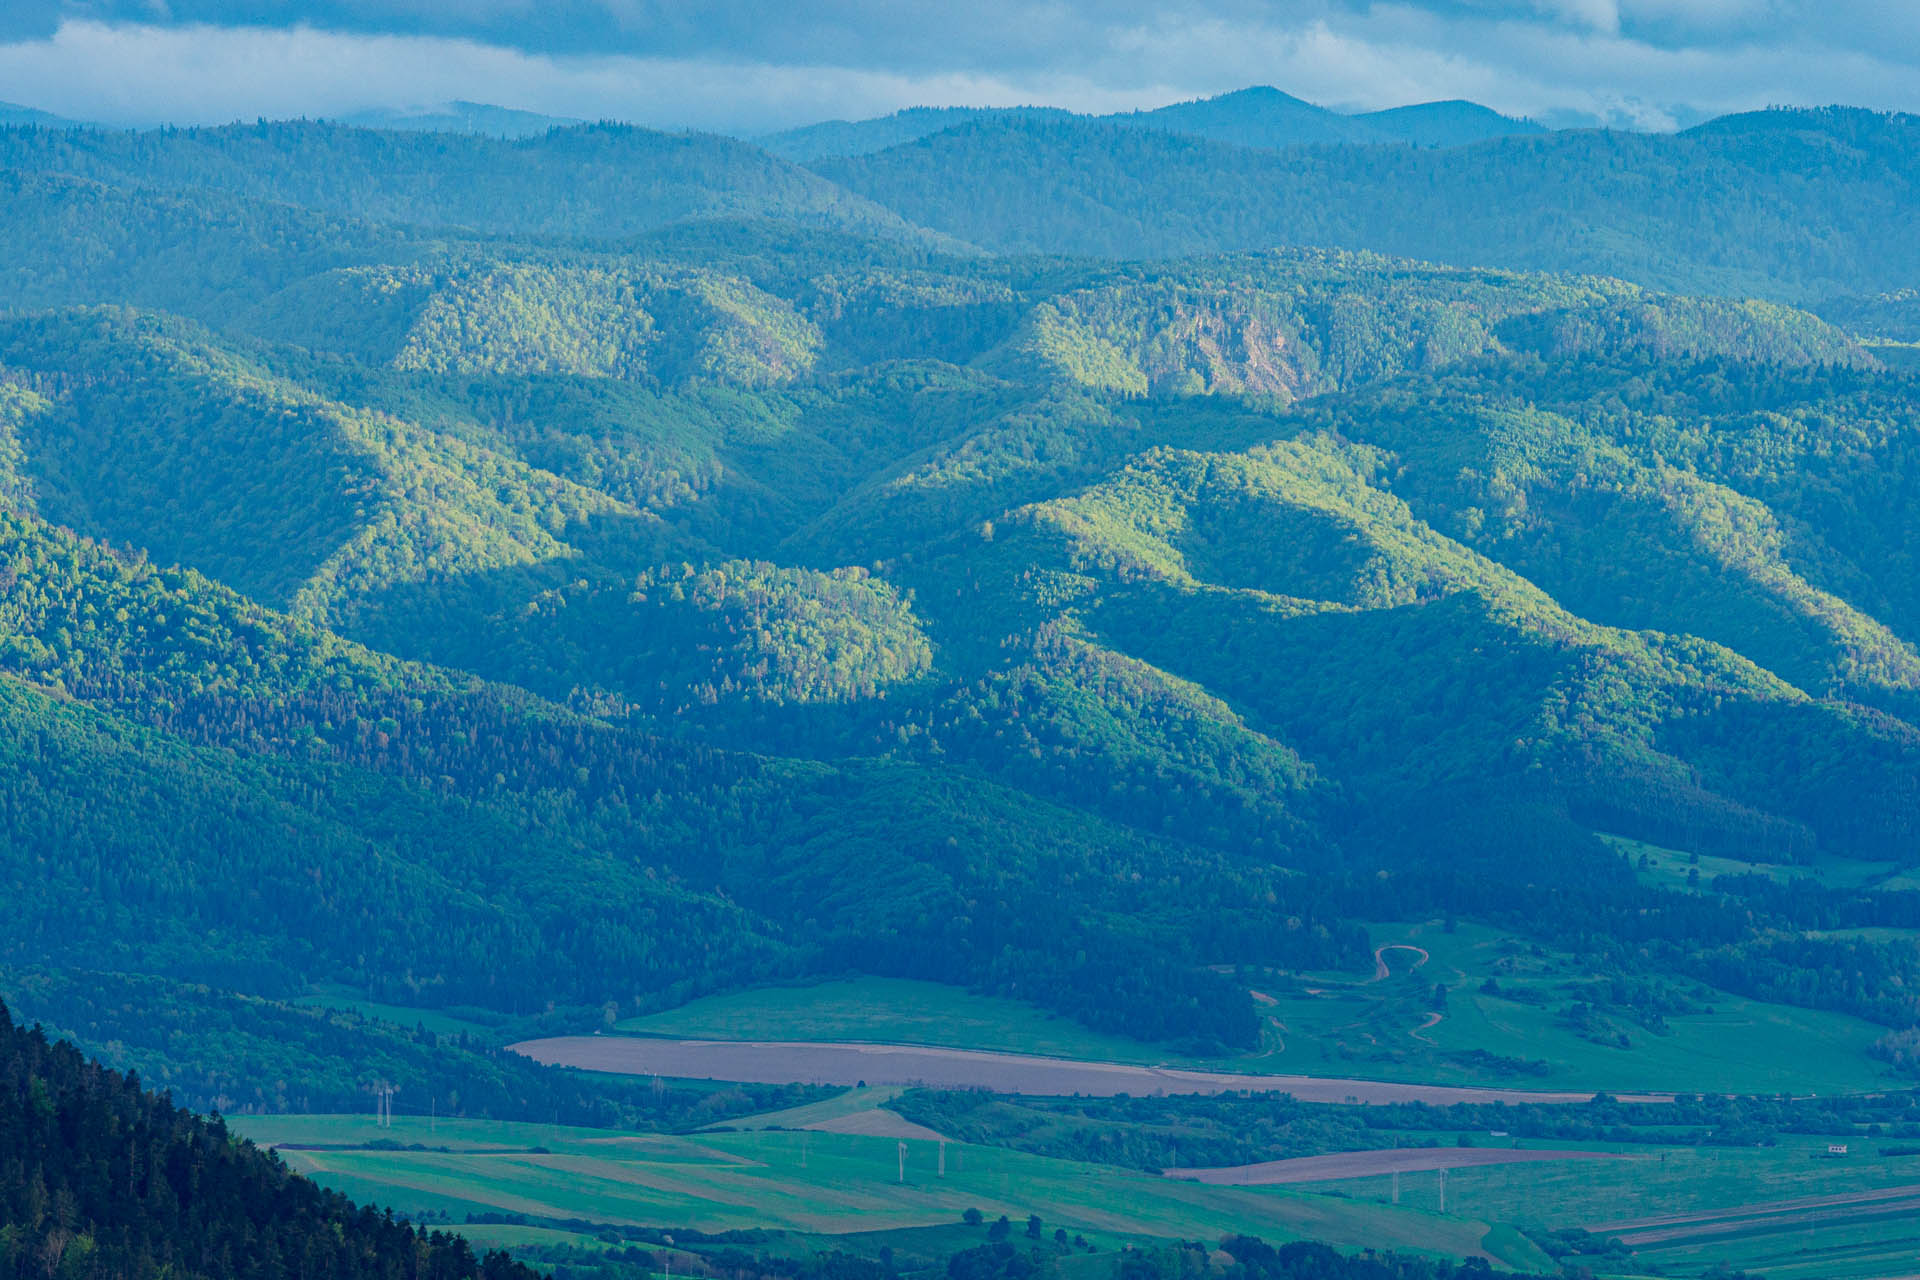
<point x="561" y="577"/>
<point x="99" y="1178"/>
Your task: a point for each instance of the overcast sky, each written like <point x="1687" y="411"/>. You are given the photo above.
<point x="754" y="65"/>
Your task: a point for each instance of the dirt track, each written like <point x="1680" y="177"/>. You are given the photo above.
<point x="1380" y="969"/>
<point x="1367" y="1164"/>
<point x="790" y="1062"/>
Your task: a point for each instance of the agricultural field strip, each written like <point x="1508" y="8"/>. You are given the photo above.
<point x="1763" y="1208"/>
<point x="850" y="1063"/>
<point x="1773" y="1217"/>
<point x="849" y="1180"/>
<point x="1769" y="1224"/>
<point x="1365" y="1164"/>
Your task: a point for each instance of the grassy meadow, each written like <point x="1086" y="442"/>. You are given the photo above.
<point x="892" y="1011"/>
<point x="1341" y="1024"/>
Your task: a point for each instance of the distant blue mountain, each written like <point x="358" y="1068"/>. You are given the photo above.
<point x="461" y="117"/>
<point x="1453" y="123"/>
<point x="863" y="137"/>
<point x="13" y="113"/>
<point x="1261" y="116"/>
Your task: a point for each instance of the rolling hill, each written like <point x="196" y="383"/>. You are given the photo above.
<point x="1788" y="205"/>
<point x="598" y="181"/>
<point x="703" y="578"/>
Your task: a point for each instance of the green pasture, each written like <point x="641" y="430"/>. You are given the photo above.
<point x="1672" y="868"/>
<point x="437" y="1021"/>
<point x="891" y="1011"/>
<point x="817" y="1183"/>
<point x="1343" y="1024"/>
<point x="1331" y="1025"/>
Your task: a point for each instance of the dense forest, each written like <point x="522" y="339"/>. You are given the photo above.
<point x="1794" y="205"/>
<point x="99" y="1179"/>
<point x="555" y="578"/>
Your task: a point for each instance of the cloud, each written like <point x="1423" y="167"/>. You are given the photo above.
<point x="1594" y="15"/>
<point x="124" y="74"/>
<point x="746" y="66"/>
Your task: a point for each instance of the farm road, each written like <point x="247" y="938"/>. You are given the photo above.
<point x="1380" y="969"/>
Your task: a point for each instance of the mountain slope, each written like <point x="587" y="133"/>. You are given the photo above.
<point x="600" y="181"/>
<point x="203" y="253"/>
<point x="1258" y="117"/>
<point x="98" y="1177"/>
<point x="861" y="137"/>
<point x="1788" y="205"/>
<point x="1453" y="123"/>
<point x="515" y="623"/>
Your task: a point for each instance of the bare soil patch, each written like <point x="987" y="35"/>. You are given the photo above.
<point x="845" y="1064"/>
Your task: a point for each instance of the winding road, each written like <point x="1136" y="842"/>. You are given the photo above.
<point x="1380" y="970"/>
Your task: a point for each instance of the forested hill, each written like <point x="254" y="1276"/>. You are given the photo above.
<point x="591" y="181"/>
<point x="1791" y="205"/>
<point x="99" y="1179"/>
<point x="1798" y="206"/>
<point x="576" y="623"/>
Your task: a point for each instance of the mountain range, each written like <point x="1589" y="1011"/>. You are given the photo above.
<point x="589" y="570"/>
<point x="1261" y="117"/>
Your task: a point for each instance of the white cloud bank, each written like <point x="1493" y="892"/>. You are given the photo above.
<point x="1560" y="59"/>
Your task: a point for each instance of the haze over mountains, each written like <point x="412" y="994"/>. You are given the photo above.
<point x="1256" y="117"/>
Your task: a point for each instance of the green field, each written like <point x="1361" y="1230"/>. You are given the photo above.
<point x="438" y="1021"/>
<point x="1672" y="868"/>
<point x="815" y="1183"/>
<point x="1331" y="1025"/>
<point x="891" y="1011"/>
<point x="841" y="1191"/>
<point x="1679" y="1180"/>
<point x="1343" y="1025"/>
